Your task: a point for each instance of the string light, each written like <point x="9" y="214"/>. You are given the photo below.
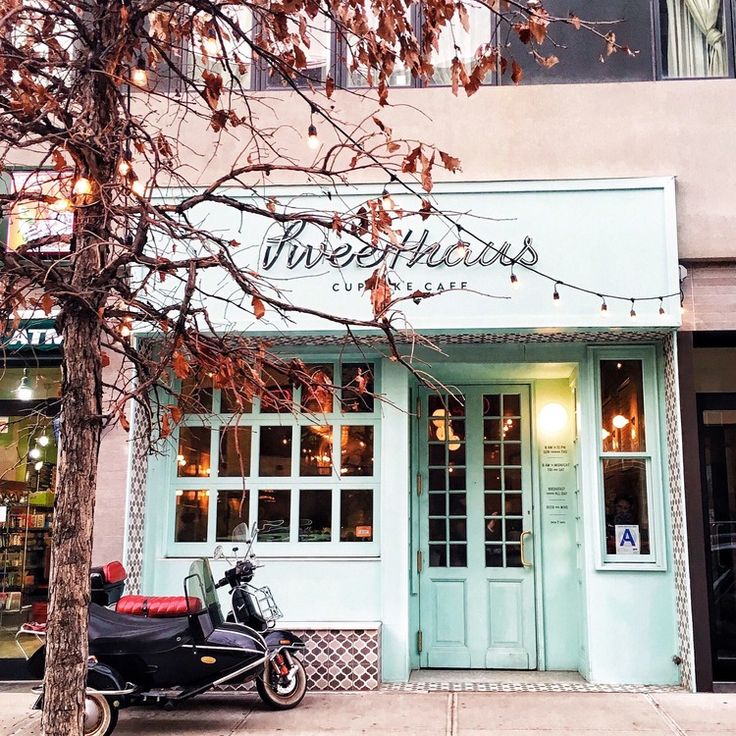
<point x="138" y="188"/>
<point x="124" y="167"/>
<point x="514" y="278"/>
<point x="82" y="186"/>
<point x="604" y="306"/>
<point x="662" y="310"/>
<point x="312" y="139"/>
<point x="556" y="294"/>
<point x="24" y="392"/>
<point x="632" y="313"/>
<point x="211" y="46"/>
<point x="387" y="200"/>
<point x="61" y="204"/>
<point x="139" y="76"/>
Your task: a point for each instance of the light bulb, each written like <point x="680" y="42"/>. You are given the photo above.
<point x="662" y="310"/>
<point x="82" y="186"/>
<point x="605" y="434"/>
<point x="388" y="201"/>
<point x="139" y="75"/>
<point x="514" y="280"/>
<point x="138" y="188"/>
<point x="211" y="45"/>
<point x="34" y="453"/>
<point x="43" y="440"/>
<point x="38" y="465"/>
<point x="556" y="295"/>
<point x="312" y="139"/>
<point x="124" y="167"/>
<point x="124" y="330"/>
<point x="604" y="308"/>
<point x="619" y="421"/>
<point x="632" y="313"/>
<point x="61" y="204"/>
<point x="24" y="392"/>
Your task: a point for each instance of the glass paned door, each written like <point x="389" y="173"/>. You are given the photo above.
<point x="476" y="584"/>
<point x="718" y="465"/>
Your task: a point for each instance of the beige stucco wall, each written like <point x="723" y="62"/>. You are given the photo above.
<point x="679" y="128"/>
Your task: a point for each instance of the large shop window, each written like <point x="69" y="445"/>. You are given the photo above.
<point x="307" y="476"/>
<point x="629" y="464"/>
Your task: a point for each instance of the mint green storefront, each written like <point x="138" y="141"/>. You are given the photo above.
<point x="525" y="514"/>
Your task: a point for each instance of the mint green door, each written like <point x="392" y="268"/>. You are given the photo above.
<point x="476" y="579"/>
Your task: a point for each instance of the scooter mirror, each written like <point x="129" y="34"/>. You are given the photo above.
<point x="218" y="554"/>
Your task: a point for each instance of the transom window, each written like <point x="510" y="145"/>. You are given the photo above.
<point x="301" y="462"/>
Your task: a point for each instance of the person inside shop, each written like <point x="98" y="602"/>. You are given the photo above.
<point x="623" y="513"/>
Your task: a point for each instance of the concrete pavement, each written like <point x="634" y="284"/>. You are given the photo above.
<point x="420" y="714"/>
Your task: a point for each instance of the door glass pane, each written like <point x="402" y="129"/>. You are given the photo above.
<point x="193" y="458"/>
<point x="622" y="406"/>
<point x="274" y="515"/>
<point x="315" y="515"/>
<point x="356" y="515"/>
<point x="447" y="510"/>
<point x="192" y="508"/>
<point x="234" y="452"/>
<point x="275" y="451"/>
<point x="232" y="516"/>
<point x="356" y="450"/>
<point x="718" y="456"/>
<point x="627" y="513"/>
<point x="502" y="450"/>
<point x="315" y="451"/>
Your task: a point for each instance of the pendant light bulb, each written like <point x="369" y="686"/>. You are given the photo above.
<point x="61" y="204"/>
<point x="139" y="76"/>
<point x="43" y="440"/>
<point x="604" y="307"/>
<point x="632" y="313"/>
<point x="138" y="188"/>
<point x="514" y="279"/>
<point x="210" y="44"/>
<point x="82" y="186"/>
<point x="124" y="167"/>
<point x="24" y="392"/>
<point x="388" y="201"/>
<point x="556" y="294"/>
<point x="662" y="310"/>
<point x="312" y="139"/>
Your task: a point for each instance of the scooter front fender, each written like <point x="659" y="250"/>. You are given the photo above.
<point x="278" y="639"/>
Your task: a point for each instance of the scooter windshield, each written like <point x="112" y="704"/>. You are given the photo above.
<point x="199" y="588"/>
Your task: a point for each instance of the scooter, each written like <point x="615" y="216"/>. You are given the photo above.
<point x="146" y="655"/>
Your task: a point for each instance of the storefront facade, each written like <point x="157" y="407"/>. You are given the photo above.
<point x="29" y="391"/>
<point x="523" y="513"/>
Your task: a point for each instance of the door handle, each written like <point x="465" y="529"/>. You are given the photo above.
<point x="524" y="561"/>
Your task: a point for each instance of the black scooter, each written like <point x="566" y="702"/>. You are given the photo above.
<point x="140" y="659"/>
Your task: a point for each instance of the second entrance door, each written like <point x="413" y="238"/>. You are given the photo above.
<point x="476" y="584"/>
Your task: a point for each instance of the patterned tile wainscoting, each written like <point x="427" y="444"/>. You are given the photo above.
<point x="677" y="505"/>
<point x="337" y="660"/>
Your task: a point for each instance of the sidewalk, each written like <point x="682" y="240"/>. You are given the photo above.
<point x="423" y="714"/>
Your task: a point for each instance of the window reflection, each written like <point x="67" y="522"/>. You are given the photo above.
<point x="235" y="445"/>
<point x="274" y="515"/>
<point x="356" y="515"/>
<point x="315" y="516"/>
<point x="357" y="387"/>
<point x="191" y="516"/>
<point x="274" y="451"/>
<point x="193" y="458"/>
<point x="622" y="400"/>
<point x="317" y="398"/>
<point x="232" y="516"/>
<point x="625" y="492"/>
<point x="195" y="395"/>
<point x="317" y="52"/>
<point x="315" y="456"/>
<point x="277" y="391"/>
<point x="356" y="450"/>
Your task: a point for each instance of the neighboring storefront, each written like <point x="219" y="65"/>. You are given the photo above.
<point x="526" y="515"/>
<point x="30" y="383"/>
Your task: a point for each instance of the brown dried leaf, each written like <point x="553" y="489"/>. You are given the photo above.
<point x="517" y="73"/>
<point x="212" y="88"/>
<point x="180" y="365"/>
<point x="47" y="304"/>
<point x="451" y="163"/>
<point x="329" y="86"/>
<point x="124" y="423"/>
<point x="380" y="291"/>
<point x="574" y="21"/>
<point x="59" y="160"/>
<point x="104" y="359"/>
<point x="409" y="164"/>
<point x="258" y="308"/>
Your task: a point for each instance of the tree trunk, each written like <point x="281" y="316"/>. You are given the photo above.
<point x="69" y="585"/>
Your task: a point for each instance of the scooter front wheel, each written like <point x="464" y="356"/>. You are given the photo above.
<point x="282" y="693"/>
<point x="100" y="717"/>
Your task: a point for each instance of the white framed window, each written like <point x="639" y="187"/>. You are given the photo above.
<point x="306" y="474"/>
<point x="629" y="459"/>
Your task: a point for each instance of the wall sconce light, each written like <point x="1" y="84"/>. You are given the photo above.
<point x="552" y="418"/>
<point x="619" y="421"/>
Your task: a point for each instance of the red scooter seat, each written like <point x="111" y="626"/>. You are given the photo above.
<point x="158" y="606"/>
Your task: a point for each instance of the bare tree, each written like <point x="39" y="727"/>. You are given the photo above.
<point x="115" y="110"/>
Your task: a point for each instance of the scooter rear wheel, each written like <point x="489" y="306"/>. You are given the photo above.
<point x="100" y="717"/>
<point x="278" y="695"/>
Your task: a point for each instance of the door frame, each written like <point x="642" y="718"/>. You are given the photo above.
<point x="703" y="402"/>
<point x="414" y="546"/>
